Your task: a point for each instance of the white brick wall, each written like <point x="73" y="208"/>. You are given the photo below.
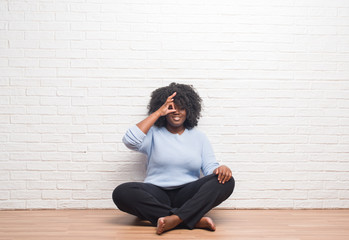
<point x="274" y="76"/>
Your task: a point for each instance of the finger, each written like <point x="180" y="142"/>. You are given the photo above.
<point x="169" y="109"/>
<point x="171" y="106"/>
<point x="226" y="178"/>
<point x="223" y="176"/>
<point x="220" y="176"/>
<point x="216" y="171"/>
<point x="172" y="96"/>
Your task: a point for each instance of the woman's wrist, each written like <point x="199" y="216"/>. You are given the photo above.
<point x="157" y="114"/>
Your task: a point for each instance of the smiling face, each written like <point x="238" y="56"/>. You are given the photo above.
<point x="177" y="118"/>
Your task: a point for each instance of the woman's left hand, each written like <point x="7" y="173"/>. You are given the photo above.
<point x="224" y="174"/>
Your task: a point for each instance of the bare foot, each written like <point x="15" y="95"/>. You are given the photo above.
<point x="167" y="223"/>
<point x="206" y="223"/>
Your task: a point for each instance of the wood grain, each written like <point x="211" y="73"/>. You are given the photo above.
<point x="231" y="224"/>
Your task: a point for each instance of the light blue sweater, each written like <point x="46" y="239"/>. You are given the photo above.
<point x="172" y="159"/>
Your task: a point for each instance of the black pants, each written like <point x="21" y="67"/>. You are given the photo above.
<point x="190" y="202"/>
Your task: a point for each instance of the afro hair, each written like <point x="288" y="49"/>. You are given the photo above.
<point x="186" y="97"/>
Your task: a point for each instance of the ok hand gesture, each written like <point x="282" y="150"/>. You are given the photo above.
<point x="168" y="106"/>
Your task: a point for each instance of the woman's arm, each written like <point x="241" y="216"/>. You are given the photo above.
<point x="165" y="109"/>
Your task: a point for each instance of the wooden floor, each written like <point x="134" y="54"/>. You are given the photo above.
<point x="231" y="224"/>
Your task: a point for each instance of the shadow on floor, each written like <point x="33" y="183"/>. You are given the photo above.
<point x="129" y="220"/>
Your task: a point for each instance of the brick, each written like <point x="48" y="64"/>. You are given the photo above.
<point x="41" y="185"/>
<point x="273" y="77"/>
<point x="26" y="195"/>
<point x="56" y="194"/>
<point x="12" y="204"/>
<point x="41" y="204"/>
<point x="71" y="204"/>
<point x="41" y="166"/>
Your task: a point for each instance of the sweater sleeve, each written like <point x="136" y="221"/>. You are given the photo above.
<point x="209" y="162"/>
<point x="135" y="139"/>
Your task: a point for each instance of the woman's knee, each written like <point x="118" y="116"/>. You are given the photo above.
<point x="231" y="183"/>
<point x="120" y="195"/>
<point x="228" y="186"/>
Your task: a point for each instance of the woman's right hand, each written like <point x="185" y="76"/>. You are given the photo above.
<point x="168" y="106"/>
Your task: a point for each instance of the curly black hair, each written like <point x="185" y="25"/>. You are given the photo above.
<point x="186" y="97"/>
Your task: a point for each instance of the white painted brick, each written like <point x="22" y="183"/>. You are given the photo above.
<point x="76" y="185"/>
<point x="71" y="53"/>
<point x="49" y="63"/>
<point x="76" y="167"/>
<point x="71" y="204"/>
<point x="18" y="100"/>
<point x="86" y="195"/>
<point x="54" y="26"/>
<point x="101" y="128"/>
<point x="39" y="16"/>
<point x="71" y="129"/>
<point x="24" y="175"/>
<point x="19" y="137"/>
<point x="24" y="195"/>
<point x="4" y="195"/>
<point x="273" y="76"/>
<point x="11" y="204"/>
<point x="102" y="147"/>
<point x="72" y="111"/>
<point x="95" y="120"/>
<point x="55" y="176"/>
<point x="41" y="204"/>
<point x="71" y="72"/>
<point x="343" y="203"/>
<point x="41" y="166"/>
<point x="5" y="176"/>
<point x="85" y="44"/>
<point x="23" y="63"/>
<point x="56" y="119"/>
<point x="56" y="194"/>
<point x="41" y="147"/>
<point x="70" y="92"/>
<point x="35" y="72"/>
<point x="105" y="185"/>
<point x="14" y="147"/>
<point x="39" y="53"/>
<point x="41" y="185"/>
<point x="56" y="138"/>
<point x="13" y="110"/>
<point x="72" y="35"/>
<point x="25" y="156"/>
<point x="71" y="147"/>
<point x="84" y="101"/>
<point x="85" y="82"/>
<point x="41" y="91"/>
<point x="84" y="177"/>
<point x="100" y="204"/>
<point x="87" y="138"/>
<point x="23" y="26"/>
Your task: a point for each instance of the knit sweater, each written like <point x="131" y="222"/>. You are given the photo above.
<point x="172" y="159"/>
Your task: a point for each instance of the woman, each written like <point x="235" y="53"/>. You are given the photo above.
<point x="173" y="194"/>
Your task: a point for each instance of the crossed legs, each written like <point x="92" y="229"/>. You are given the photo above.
<point x="166" y="209"/>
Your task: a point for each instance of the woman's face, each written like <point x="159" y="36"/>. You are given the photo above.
<point x="177" y="118"/>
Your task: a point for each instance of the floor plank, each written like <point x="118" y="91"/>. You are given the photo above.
<point x="231" y="224"/>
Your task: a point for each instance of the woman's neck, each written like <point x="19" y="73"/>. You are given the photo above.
<point x="175" y="130"/>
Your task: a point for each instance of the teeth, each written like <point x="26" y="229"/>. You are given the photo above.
<point x="176" y="118"/>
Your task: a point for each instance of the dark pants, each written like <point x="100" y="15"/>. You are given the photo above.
<point x="190" y="202"/>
